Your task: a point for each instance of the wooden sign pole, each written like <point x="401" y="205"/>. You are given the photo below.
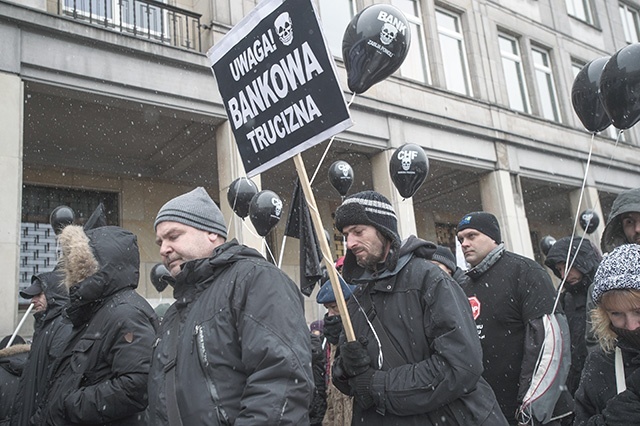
<point x="324" y="246"/>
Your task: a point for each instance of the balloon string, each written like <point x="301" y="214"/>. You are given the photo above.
<point x="568" y="265"/>
<point x="328" y="146"/>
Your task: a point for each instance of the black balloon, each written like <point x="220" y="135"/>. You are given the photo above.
<point x="546" y="243"/>
<point x="341" y="176"/>
<point x="60" y="217"/>
<point x="585" y="96"/>
<point x="589" y="221"/>
<point x="239" y="195"/>
<point x="160" y="277"/>
<point x="620" y="87"/>
<point x="374" y="45"/>
<point x="265" y="211"/>
<point x="408" y="167"/>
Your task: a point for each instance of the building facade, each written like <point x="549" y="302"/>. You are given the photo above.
<point x="114" y="101"/>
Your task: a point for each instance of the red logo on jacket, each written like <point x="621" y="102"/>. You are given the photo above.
<point x="475" y="307"/>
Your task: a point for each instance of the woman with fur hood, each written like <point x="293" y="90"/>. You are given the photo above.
<point x="101" y="376"/>
<point x="609" y="391"/>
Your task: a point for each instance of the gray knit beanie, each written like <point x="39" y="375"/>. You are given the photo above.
<point x="619" y="270"/>
<point x="195" y="209"/>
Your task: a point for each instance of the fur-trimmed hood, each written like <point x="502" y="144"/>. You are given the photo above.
<point x="98" y="262"/>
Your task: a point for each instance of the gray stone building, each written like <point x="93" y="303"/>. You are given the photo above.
<point x="113" y="101"/>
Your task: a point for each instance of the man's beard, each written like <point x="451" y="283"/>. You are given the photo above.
<point x="371" y="261"/>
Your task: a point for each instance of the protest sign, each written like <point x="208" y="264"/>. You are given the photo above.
<point x="278" y="83"/>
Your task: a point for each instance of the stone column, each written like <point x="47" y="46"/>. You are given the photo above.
<point x="501" y="195"/>
<point x="11" y="123"/>
<point x="383" y="184"/>
<point x="590" y="200"/>
<point x="230" y="168"/>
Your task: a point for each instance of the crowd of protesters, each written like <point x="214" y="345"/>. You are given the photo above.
<point x="496" y="344"/>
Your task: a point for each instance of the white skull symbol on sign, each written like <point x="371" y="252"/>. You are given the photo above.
<point x="284" y="28"/>
<point x="388" y="33"/>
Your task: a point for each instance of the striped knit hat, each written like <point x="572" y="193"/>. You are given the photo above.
<point x="374" y="209"/>
<point x="619" y="270"/>
<point x="369" y="208"/>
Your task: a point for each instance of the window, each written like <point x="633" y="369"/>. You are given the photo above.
<point x="335" y="17"/>
<point x="415" y="64"/>
<point x="133" y="15"/>
<point x="454" y="57"/>
<point x="581" y="9"/>
<point x="513" y="74"/>
<point x="576" y="67"/>
<point x="630" y="25"/>
<point x="546" y="86"/>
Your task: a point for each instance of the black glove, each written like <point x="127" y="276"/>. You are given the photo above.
<point x="332" y="328"/>
<point x="355" y="357"/>
<point x="622" y="409"/>
<point x="361" y="388"/>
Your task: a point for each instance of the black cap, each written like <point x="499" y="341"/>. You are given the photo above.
<point x="33" y="290"/>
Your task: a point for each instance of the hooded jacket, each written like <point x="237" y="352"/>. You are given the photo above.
<point x="234" y="347"/>
<point x="436" y="379"/>
<point x="613" y="235"/>
<point x="574" y="297"/>
<point x="50" y="336"/>
<point x="12" y="360"/>
<point x="101" y="376"/>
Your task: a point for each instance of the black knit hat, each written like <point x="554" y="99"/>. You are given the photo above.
<point x="369" y="208"/>
<point x="195" y="209"/>
<point x="374" y="209"/>
<point x="483" y="222"/>
<point x="445" y="256"/>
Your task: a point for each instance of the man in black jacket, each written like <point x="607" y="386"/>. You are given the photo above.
<point x="234" y="348"/>
<point x="578" y="278"/>
<point x="623" y="226"/>
<point x="513" y="304"/>
<point x="101" y="375"/>
<point x="50" y="335"/>
<point x="417" y="360"/>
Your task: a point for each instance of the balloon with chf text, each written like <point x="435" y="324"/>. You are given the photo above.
<point x="589" y="221"/>
<point x="620" y="87"/>
<point x="60" y="217"/>
<point x="239" y="195"/>
<point x="265" y="211"/>
<point x="408" y="167"/>
<point x="585" y="96"/>
<point x="341" y="176"/>
<point x="374" y="45"/>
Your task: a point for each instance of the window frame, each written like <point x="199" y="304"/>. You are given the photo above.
<point x="540" y="69"/>
<point x="585" y="12"/>
<point x="462" y="49"/>
<point x="415" y="23"/>
<point x="518" y="60"/>
<point x="630" y="16"/>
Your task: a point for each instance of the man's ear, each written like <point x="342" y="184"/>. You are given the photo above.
<point x="215" y="238"/>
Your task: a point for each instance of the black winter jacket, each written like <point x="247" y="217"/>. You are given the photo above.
<point x="511" y="294"/>
<point x="574" y="298"/>
<point x="598" y="386"/>
<point x="101" y="376"/>
<point x="12" y="360"/>
<point x="428" y="320"/>
<point x="236" y="344"/>
<point x="50" y="336"/>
